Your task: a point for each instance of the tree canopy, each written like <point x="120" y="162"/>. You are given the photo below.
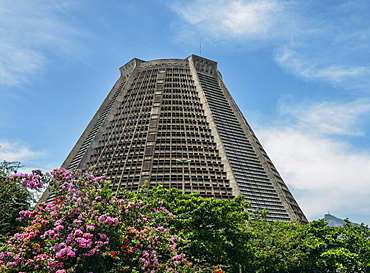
<point x="14" y="197"/>
<point x="88" y="229"/>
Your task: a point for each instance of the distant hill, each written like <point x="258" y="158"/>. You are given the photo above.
<point x="334" y="221"/>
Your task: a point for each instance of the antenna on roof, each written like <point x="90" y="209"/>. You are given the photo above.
<point x="200" y="48"/>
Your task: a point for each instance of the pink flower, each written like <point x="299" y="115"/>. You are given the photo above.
<point x="84" y="243"/>
<point x="87" y="235"/>
<point x="90" y="226"/>
<point x="71" y="253"/>
<point x="59" y="228"/>
<point x="102" y="236"/>
<point x="49" y="232"/>
<point x="98" y="198"/>
<point x="32" y="181"/>
<point x="112" y="220"/>
<point x="78" y="232"/>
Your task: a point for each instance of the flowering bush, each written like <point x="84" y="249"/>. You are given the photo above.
<point x="32" y="181"/>
<point x="87" y="229"/>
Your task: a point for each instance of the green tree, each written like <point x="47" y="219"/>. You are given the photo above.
<point x="8" y="168"/>
<point x="279" y="246"/>
<point x="215" y="229"/>
<point x="356" y="240"/>
<point x="14" y="197"/>
<point x="338" y="249"/>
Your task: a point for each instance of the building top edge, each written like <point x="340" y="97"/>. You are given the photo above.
<point x="166" y="61"/>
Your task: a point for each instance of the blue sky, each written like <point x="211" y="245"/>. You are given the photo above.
<point x="299" y="71"/>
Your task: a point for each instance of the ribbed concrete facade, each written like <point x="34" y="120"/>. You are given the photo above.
<point x="173" y="122"/>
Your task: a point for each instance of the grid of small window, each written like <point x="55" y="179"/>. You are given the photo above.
<point x="185" y="154"/>
<point x="120" y="151"/>
<point x="160" y="133"/>
<point x="251" y="177"/>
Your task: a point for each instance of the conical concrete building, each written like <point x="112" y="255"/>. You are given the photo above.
<point x="173" y="122"/>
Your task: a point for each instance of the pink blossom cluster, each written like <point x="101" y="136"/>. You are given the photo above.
<point x="86" y="228"/>
<point x="32" y="181"/>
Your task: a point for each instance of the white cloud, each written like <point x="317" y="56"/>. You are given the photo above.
<point x="30" y="159"/>
<point x="313" y="40"/>
<point x="18" y="62"/>
<point x="306" y="64"/>
<point x="325" y="174"/>
<point x="31" y="31"/>
<point x="248" y="18"/>
<point x="232" y="19"/>
<point x="17" y="151"/>
<point x="328" y="117"/>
